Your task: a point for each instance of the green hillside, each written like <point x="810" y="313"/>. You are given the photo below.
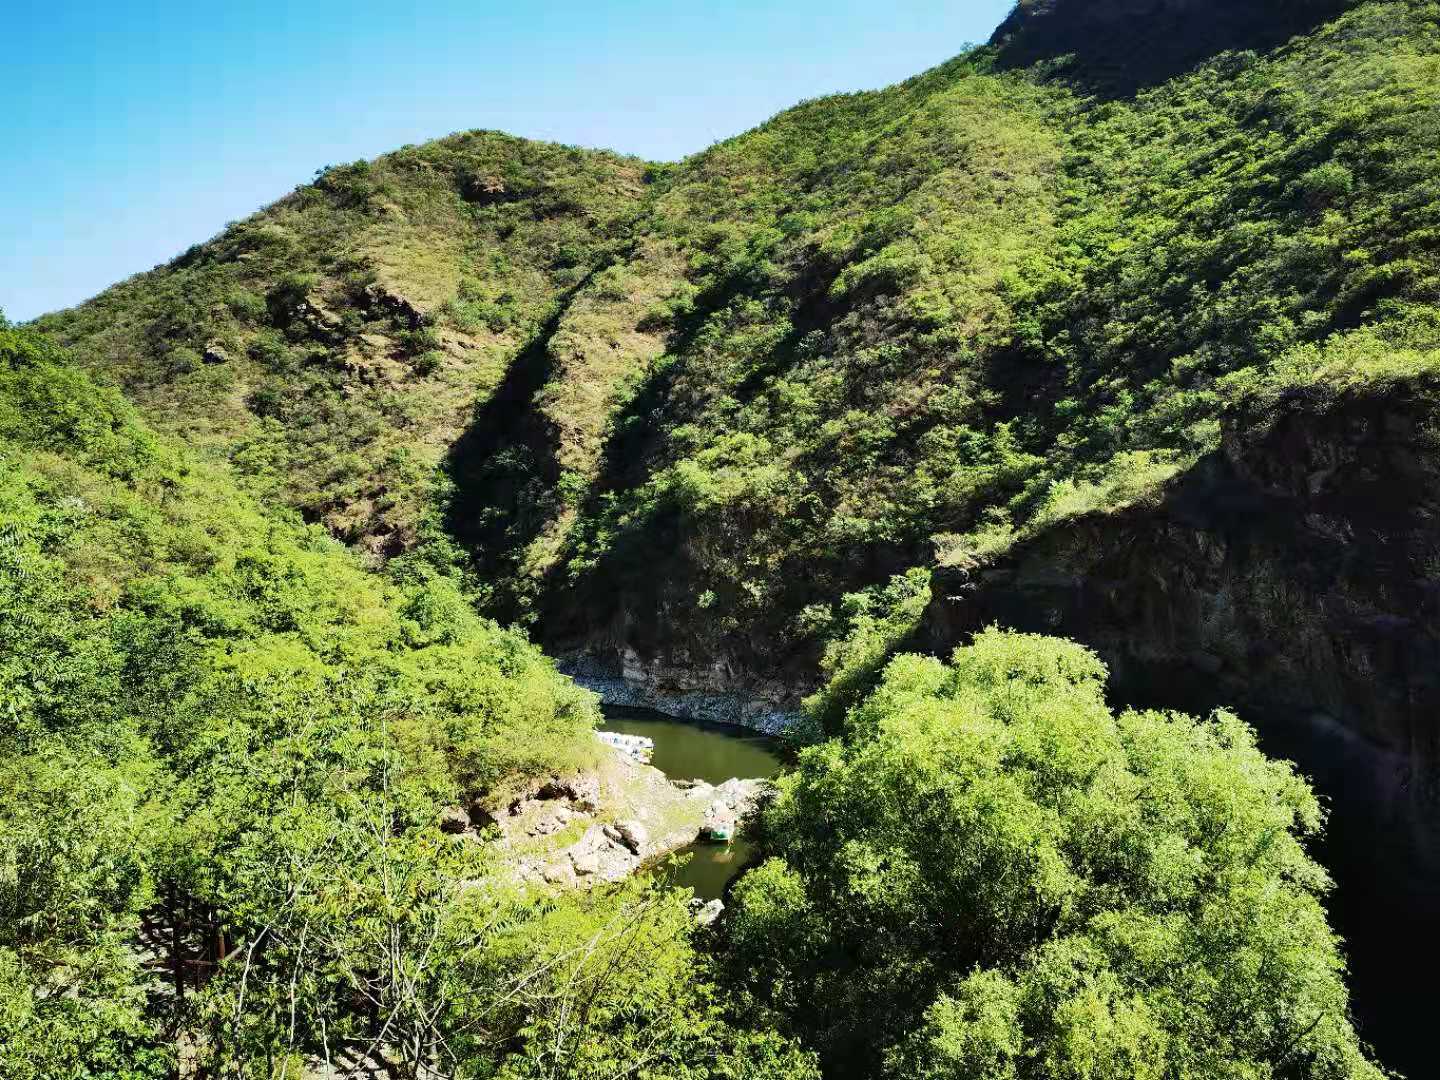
<point x="1114" y="47"/>
<point x="225" y="754"/>
<point x="229" y="748"/>
<point x="920" y="326"/>
<point x="887" y="330"/>
<point x="332" y="345"/>
<point x="1123" y="328"/>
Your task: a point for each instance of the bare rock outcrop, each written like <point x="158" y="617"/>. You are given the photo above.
<point x="378" y="300"/>
<point x="606" y="824"/>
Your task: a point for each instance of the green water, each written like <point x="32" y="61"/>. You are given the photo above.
<point x="691" y="751"/>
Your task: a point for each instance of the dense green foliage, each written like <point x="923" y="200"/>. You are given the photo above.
<point x="225" y="740"/>
<point x="745" y="404"/>
<point x="331" y="346"/>
<point x="926" y="322"/>
<point x="1104" y="46"/>
<point x="993" y="875"/>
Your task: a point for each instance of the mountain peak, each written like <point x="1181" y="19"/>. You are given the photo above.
<point x="1120" y="46"/>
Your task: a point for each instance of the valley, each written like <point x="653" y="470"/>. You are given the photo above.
<point x="1007" y="499"/>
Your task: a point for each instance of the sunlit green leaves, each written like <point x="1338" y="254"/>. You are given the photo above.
<point x="992" y="874"/>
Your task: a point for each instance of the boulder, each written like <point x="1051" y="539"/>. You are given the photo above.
<point x="377" y="299"/>
<point x="586" y="864"/>
<point x="719" y="822"/>
<point x="582" y="790"/>
<point x="706" y="914"/>
<point x="550" y="821"/>
<point x="585" y="792"/>
<point x="633" y="835"/>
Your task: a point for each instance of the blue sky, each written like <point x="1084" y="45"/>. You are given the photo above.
<point x="130" y="131"/>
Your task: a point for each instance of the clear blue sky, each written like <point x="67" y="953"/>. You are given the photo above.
<point x="129" y="131"/>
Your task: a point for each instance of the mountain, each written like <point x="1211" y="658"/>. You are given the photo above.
<point x="331" y="346"/>
<point x="1125" y="327"/>
<point x="231" y="769"/>
<point x="682" y="409"/>
<point x="1118" y="46"/>
<point x="251" y="793"/>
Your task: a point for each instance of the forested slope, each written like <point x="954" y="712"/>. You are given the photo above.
<point x="332" y="345"/>
<point x="923" y="326"/>
<point x="225" y="752"/>
<point x="906" y="329"/>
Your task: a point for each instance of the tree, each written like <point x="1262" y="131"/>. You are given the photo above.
<point x="991" y="874"/>
<point x="72" y="885"/>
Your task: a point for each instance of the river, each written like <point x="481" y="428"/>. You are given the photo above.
<point x="686" y="750"/>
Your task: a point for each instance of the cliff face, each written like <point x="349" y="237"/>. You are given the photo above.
<point x="1294" y="571"/>
<point x="1292" y="574"/>
<point x="1297" y="569"/>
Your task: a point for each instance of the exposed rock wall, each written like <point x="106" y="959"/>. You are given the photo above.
<point x="1294" y="572"/>
<point x="1297" y="570"/>
<point x="1295" y="575"/>
<point x="717" y="692"/>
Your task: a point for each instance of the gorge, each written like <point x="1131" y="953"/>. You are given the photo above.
<point x="952" y="433"/>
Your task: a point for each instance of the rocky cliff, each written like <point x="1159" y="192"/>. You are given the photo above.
<point x="1296" y="568"/>
<point x="1293" y="574"/>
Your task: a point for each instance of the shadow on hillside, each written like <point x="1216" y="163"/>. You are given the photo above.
<point x="504" y="461"/>
<point x="1115" y="48"/>
<point x="1298" y="597"/>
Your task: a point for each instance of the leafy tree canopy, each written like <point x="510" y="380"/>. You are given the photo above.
<point x="992" y="874"/>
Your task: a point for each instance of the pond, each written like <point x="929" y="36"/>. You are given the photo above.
<point x="689" y="750"/>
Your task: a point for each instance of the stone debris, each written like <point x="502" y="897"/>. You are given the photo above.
<point x="633" y="835"/>
<point x="737" y="797"/>
<point x="715" y="693"/>
<point x="627" y="815"/>
<point x="598" y="854"/>
<point x="551" y="820"/>
<point x="377" y="299"/>
<point x="453" y="819"/>
<point x="636" y="747"/>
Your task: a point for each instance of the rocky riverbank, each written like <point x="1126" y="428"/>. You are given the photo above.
<point x="686" y="693"/>
<point x="605" y="824"/>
